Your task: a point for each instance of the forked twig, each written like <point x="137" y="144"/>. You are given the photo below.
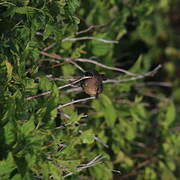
<point x="88" y="29"/>
<point x="138" y="76"/>
<point x="86" y="60"/>
<point x="60" y="87"/>
<point x="91" y="163"/>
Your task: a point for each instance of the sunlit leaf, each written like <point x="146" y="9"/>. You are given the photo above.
<point x="9" y="70"/>
<point x="170" y="114"/>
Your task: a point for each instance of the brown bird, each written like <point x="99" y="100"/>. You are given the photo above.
<point x="93" y="85"/>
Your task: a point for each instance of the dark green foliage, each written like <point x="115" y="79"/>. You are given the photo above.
<point x="132" y="127"/>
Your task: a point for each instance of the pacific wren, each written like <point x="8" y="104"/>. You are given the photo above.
<point x="94" y="84"/>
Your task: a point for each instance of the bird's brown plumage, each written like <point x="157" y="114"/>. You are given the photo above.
<point x="93" y="85"/>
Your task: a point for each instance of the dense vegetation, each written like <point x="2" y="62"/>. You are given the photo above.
<point x="131" y="131"/>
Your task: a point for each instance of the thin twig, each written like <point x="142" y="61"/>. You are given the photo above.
<point x="78" y="89"/>
<point x="50" y="60"/>
<point x="75" y="101"/>
<point x="139" y="166"/>
<point x="57" y="63"/>
<point x="116" y="171"/>
<point x="98" y="140"/>
<point x="60" y="87"/>
<point x="63" y="78"/>
<point x="91" y="38"/>
<point x="41" y="34"/>
<point x="6" y="2"/>
<point x="88" y="29"/>
<point x="139" y="76"/>
<point x="49" y="47"/>
<point x="72" y="38"/>
<point x="93" y="162"/>
<point x="164" y="84"/>
<point x="84" y="31"/>
<point x="86" y="60"/>
<point x="79" y="67"/>
<point x="101" y="142"/>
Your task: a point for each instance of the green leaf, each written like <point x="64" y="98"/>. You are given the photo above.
<point x="28" y="10"/>
<point x="170" y="114"/>
<point x="9" y="70"/>
<point x="121" y="34"/>
<point x="45" y="84"/>
<point x="28" y="126"/>
<point x="9" y="132"/>
<point x="109" y="111"/>
<point x="48" y="31"/>
<point x="100" y="170"/>
<point x="137" y="66"/>
<point x="31" y="159"/>
<point x="68" y="70"/>
<point x="30" y="85"/>
<point x="16" y="177"/>
<point x="24" y="10"/>
<point x="67" y="44"/>
<point x="76" y="20"/>
<point x="54" y="113"/>
<point x="72" y="5"/>
<point x="75" y="117"/>
<point x="100" y="48"/>
<point x="166" y="174"/>
<point x="70" y="164"/>
<point x="7" y="165"/>
<point x="150" y="173"/>
<point x="87" y="137"/>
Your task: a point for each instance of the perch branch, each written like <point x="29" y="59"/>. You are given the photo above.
<point x="136" y="77"/>
<point x="60" y="87"/>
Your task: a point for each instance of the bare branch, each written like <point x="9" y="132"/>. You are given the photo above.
<point x="50" y="60"/>
<point x="136" y="77"/>
<point x="72" y="38"/>
<point x="49" y="47"/>
<point x="91" y="38"/>
<point x="93" y="162"/>
<point x="86" y="60"/>
<point x="164" y="84"/>
<point x="116" y="171"/>
<point x="75" y="101"/>
<point x="79" y="67"/>
<point x="139" y="76"/>
<point x="60" y="87"/>
<point x="101" y="142"/>
<point x="84" y="31"/>
<point x="88" y="29"/>
<point x="6" y="2"/>
<point x="78" y="89"/>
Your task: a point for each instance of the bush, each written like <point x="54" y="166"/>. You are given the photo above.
<point x="129" y="131"/>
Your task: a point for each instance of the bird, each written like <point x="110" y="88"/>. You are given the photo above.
<point x="94" y="84"/>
